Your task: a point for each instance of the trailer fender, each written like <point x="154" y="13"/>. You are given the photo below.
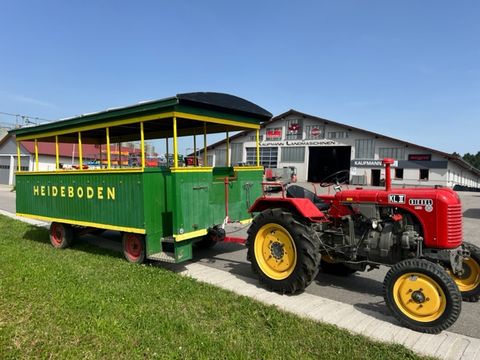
<point x="301" y="206"/>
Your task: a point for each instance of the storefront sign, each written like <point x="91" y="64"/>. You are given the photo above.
<point x="370" y="163"/>
<point x="420" y="157"/>
<point x="299" y="143"/>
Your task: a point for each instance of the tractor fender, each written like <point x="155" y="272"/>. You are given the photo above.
<point x="301" y="206"/>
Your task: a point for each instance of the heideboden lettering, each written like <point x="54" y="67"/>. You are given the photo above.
<point x="79" y="192"/>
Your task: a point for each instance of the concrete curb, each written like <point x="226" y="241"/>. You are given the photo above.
<point x="446" y="345"/>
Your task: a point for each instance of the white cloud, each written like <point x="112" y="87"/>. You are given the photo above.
<point x="26" y="99"/>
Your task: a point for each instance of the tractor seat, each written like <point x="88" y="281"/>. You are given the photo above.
<point x="295" y="191"/>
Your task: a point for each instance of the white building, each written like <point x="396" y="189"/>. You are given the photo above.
<point x="319" y="147"/>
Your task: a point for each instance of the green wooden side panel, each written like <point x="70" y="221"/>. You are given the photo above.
<point x="158" y="200"/>
<point x="112" y="198"/>
<point x="199" y="201"/>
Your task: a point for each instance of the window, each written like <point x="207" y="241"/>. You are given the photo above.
<point x="398" y="173"/>
<point x="394" y="153"/>
<point x="314" y="132"/>
<point x="423" y="174"/>
<point x="5" y="167"/>
<point x="274" y="134"/>
<point x="209" y="160"/>
<point x="237" y="153"/>
<point x="220" y="157"/>
<point x="364" y="149"/>
<point x="254" y="138"/>
<point x="268" y="156"/>
<point x="293" y="129"/>
<point x="337" y="135"/>
<point x="293" y="154"/>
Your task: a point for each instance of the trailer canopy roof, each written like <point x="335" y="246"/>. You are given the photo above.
<point x="221" y="112"/>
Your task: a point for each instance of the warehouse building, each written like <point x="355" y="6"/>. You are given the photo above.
<point x="318" y="147"/>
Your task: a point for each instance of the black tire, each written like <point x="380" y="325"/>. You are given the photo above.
<point x="306" y="250"/>
<point x="134" y="247"/>
<point x="411" y="276"/>
<point x="469" y="283"/>
<point x="337" y="269"/>
<point x="61" y="235"/>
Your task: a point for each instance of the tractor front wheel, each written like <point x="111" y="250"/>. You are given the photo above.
<point x="61" y="235"/>
<point x="469" y="282"/>
<point x="134" y="247"/>
<point x="422" y="296"/>
<point x="284" y="252"/>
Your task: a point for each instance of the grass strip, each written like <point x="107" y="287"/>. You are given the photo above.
<point x="87" y="302"/>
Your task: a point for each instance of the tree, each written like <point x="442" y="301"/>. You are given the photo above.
<point x="473" y="160"/>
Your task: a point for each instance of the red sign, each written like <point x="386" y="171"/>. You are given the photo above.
<point x="294" y="127"/>
<point x="315" y="132"/>
<point x="420" y="157"/>
<point x="274" y="134"/>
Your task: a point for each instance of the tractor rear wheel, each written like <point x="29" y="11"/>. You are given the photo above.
<point x="284" y="252"/>
<point x="134" y="247"/>
<point x="422" y="296"/>
<point x="469" y="282"/>
<point x="61" y="235"/>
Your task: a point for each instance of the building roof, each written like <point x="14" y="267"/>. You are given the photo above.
<point x="452" y="157"/>
<point x="66" y="150"/>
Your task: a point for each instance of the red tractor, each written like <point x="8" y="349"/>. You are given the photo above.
<point x="417" y="232"/>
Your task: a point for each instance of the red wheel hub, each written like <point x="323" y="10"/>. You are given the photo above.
<point x="57" y="234"/>
<point x="133" y="246"/>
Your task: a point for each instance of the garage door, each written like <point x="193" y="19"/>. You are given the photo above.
<point x="4" y="169"/>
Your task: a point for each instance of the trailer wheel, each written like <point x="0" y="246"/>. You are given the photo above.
<point x="469" y="282"/>
<point x="134" y="247"/>
<point x="329" y="266"/>
<point x="61" y="235"/>
<point x="284" y="252"/>
<point x="422" y="296"/>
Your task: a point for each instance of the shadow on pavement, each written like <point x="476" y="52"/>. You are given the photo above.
<point x="353" y="283"/>
<point x="472" y="213"/>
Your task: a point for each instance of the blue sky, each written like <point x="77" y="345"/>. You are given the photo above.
<point x="407" y="69"/>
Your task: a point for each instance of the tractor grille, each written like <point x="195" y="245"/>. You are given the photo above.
<point x="454" y="223"/>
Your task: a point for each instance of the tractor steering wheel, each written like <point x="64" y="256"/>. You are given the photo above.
<point x="337" y="178"/>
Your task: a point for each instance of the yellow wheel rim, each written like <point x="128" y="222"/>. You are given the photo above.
<point x="419" y="297"/>
<point x="471" y="278"/>
<point x="275" y="251"/>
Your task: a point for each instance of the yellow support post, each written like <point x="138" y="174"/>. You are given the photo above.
<point x="36" y="155"/>
<point x="167" y="155"/>
<point x="175" y="143"/>
<point x="205" y="144"/>
<point x="19" y="164"/>
<point x="228" y="150"/>
<point x="194" y="150"/>
<point x="258" y="147"/>
<point x="57" y="155"/>
<point x="80" y="151"/>
<point x="109" y="164"/>
<point x="142" y="144"/>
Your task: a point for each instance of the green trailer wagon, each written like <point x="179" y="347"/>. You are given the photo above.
<point x="161" y="211"/>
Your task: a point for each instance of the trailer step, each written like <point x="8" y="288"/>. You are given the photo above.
<point x="163" y="256"/>
<point x="168" y="239"/>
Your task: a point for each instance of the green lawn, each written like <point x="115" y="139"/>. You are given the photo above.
<point x="85" y="302"/>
